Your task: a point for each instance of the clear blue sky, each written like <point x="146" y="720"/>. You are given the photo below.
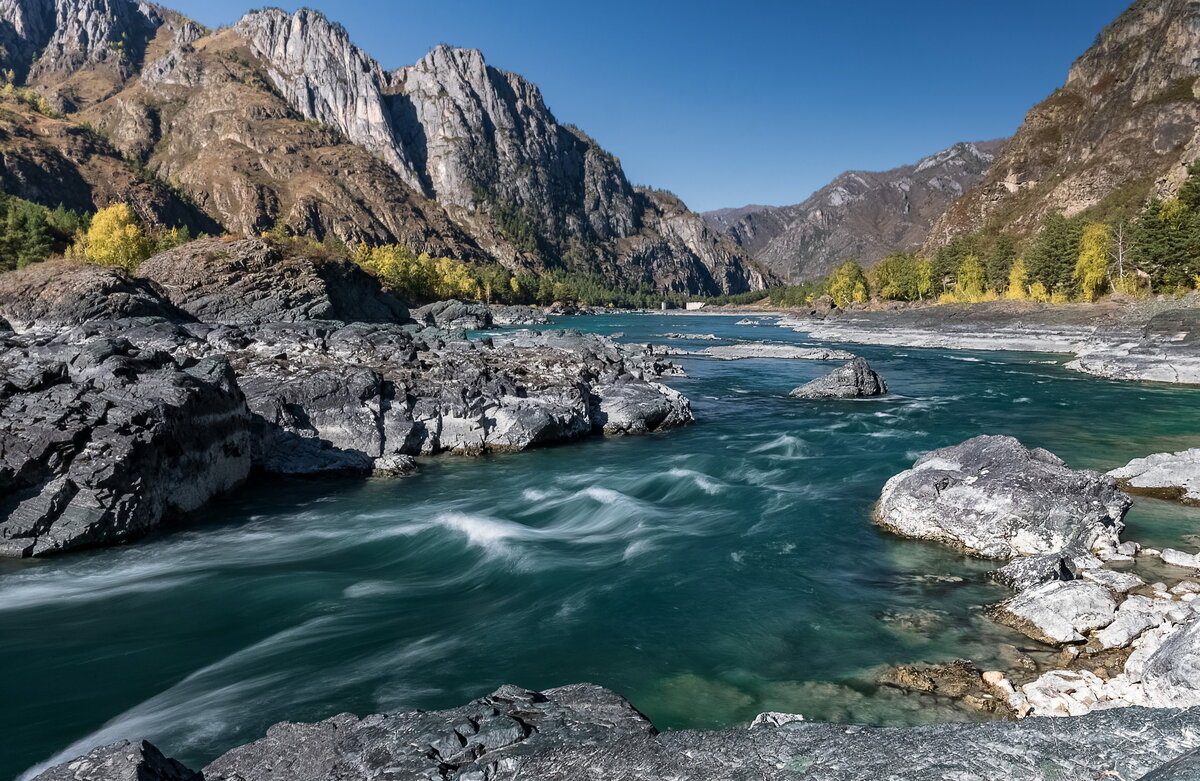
<point x="728" y="103"/>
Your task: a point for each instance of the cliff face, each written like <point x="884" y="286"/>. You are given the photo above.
<point x="282" y="120"/>
<point x="1121" y="129"/>
<point x="860" y="214"/>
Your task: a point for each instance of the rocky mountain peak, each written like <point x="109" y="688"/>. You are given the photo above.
<point x="1121" y="129"/>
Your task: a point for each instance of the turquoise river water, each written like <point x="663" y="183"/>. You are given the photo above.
<point x="707" y="573"/>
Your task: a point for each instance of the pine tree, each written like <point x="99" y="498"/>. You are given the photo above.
<point x="999" y="261"/>
<point x="1052" y="260"/>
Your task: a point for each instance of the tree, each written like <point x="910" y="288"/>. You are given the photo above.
<point x="848" y="284"/>
<point x="1091" y="269"/>
<point x="1160" y="244"/>
<point x="998" y="261"/>
<point x="896" y="277"/>
<point x="1052" y="260"/>
<point x="948" y="259"/>
<point x="924" y="278"/>
<point x="116" y="238"/>
<point x="972" y="280"/>
<point x="1018" y="281"/>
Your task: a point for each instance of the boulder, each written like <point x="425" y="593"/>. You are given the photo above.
<point x="1059" y="612"/>
<point x="855" y="380"/>
<point x="1163" y="475"/>
<point x="455" y="314"/>
<point x="1025" y="572"/>
<point x="58" y="294"/>
<point x="995" y="498"/>
<point x="1171" y="674"/>
<point x="101" y="442"/>
<point x="252" y="281"/>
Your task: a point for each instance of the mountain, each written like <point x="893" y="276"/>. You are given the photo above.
<point x="280" y="120"/>
<point x="860" y="214"/>
<point x="1119" y="131"/>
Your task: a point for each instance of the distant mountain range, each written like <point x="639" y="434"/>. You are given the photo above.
<point x="280" y="120"/>
<point x="860" y="214"/>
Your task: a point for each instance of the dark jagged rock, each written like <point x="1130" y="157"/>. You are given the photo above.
<point x="101" y="441"/>
<point x="584" y="731"/>
<point x="993" y="497"/>
<point x="1029" y="571"/>
<point x="57" y="294"/>
<point x="124" y="761"/>
<point x="255" y="281"/>
<point x="855" y="380"/>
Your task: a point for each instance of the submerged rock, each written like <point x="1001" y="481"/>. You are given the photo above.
<point x="1173" y="476"/>
<point x="854" y="380"/>
<point x="993" y="497"/>
<point x="585" y="731"/>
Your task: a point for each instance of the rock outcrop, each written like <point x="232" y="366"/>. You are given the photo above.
<point x="585" y="731"/>
<point x="860" y="214"/>
<point x="1165" y="475"/>
<point x="119" y="411"/>
<point x="58" y="294"/>
<point x="995" y="498"/>
<point x="101" y="441"/>
<point x="255" y="281"/>
<point x="854" y="380"/>
<point x="1121" y="129"/>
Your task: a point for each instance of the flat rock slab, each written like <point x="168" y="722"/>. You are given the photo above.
<point x="1173" y="476"/>
<point x="583" y="731"/>
<point x="993" y="497"/>
<point x="1059" y="612"/>
<point x="734" y="352"/>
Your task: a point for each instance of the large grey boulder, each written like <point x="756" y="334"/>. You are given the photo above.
<point x="254" y="281"/>
<point x="1059" y="612"/>
<point x="1172" y="672"/>
<point x="854" y="380"/>
<point x="995" y="498"/>
<point x="584" y="731"/>
<point x="102" y="441"/>
<point x="455" y="314"/>
<point x="59" y="294"/>
<point x="1165" y="475"/>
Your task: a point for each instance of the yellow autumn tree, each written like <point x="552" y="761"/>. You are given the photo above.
<point x="972" y="280"/>
<point x="1091" y="270"/>
<point x="848" y="284"/>
<point x="116" y="238"/>
<point x="1018" y="279"/>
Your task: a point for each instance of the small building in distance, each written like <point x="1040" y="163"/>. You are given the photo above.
<point x="694" y="305"/>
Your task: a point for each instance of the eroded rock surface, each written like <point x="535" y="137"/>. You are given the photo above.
<point x="996" y="498"/>
<point x="1165" y="475"/>
<point x="584" y="731"/>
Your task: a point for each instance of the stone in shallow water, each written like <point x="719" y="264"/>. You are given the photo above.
<point x="1059" y="612"/>
<point x="1166" y="475"/>
<point x="854" y="380"/>
<point x="992" y="496"/>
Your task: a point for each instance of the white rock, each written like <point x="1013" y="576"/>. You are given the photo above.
<point x="1060" y="612"/>
<point x="1180" y="559"/>
<point x="1176" y="473"/>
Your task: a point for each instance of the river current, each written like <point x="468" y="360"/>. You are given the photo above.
<point x="707" y="573"/>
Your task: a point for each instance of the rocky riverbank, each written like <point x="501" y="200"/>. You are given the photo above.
<point x="584" y="731"/>
<point x="1124" y="641"/>
<point x="127" y="402"/>
<point x="1152" y="340"/>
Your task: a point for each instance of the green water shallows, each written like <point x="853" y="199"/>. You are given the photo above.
<point x="708" y="573"/>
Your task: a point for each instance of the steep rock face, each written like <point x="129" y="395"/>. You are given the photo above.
<point x="1122" y="128"/>
<point x="101" y="441"/>
<point x="860" y="214"/>
<point x="481" y="142"/>
<point x="584" y="731"/>
<point x="254" y="281"/>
